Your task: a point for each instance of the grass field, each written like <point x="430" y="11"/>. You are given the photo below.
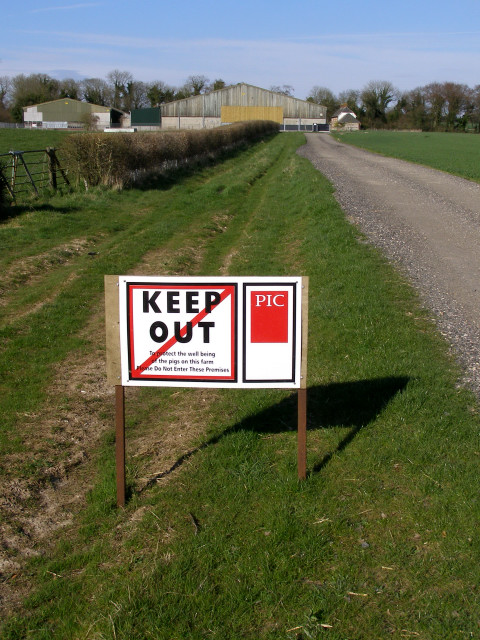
<point x="29" y="140"/>
<point x="219" y="539"/>
<point x="455" y="153"/>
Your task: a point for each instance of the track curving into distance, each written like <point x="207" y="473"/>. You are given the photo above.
<point x="425" y="221"/>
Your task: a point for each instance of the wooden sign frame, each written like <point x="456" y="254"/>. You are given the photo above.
<point x="114" y="377"/>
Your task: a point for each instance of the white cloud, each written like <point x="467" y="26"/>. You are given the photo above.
<point x="84" y="5"/>
<point x="339" y="61"/>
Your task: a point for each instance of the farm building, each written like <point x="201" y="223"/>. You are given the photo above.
<point x="149" y="118"/>
<point x="242" y="102"/>
<point x="67" y="113"/>
<point x="345" y="118"/>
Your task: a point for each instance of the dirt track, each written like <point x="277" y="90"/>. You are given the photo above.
<point x="427" y="222"/>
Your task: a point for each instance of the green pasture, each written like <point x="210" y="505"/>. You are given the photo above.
<point x="454" y="153"/>
<point x="30" y="139"/>
<point x="221" y="540"/>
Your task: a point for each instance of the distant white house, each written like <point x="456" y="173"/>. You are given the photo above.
<point x="345" y="118"/>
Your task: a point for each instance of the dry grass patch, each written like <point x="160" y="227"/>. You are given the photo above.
<point x="30" y="270"/>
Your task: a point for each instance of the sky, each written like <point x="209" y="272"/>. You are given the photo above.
<point x="303" y="44"/>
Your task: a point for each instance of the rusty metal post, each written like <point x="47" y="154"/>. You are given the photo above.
<point x="302" y="433"/>
<point x="120" y="443"/>
<point x="302" y="392"/>
<point x="27" y="171"/>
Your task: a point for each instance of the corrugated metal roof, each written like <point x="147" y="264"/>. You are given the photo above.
<point x="63" y="107"/>
<point x="241" y="95"/>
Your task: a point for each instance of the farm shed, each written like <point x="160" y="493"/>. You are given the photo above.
<point x="242" y="102"/>
<point x="345" y="118"/>
<point x="149" y="118"/>
<point x="67" y="113"/>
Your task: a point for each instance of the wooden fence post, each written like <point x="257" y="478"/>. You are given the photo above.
<point x="4" y="181"/>
<point x="52" y="169"/>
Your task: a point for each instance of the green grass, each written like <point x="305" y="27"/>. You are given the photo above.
<point x="380" y="541"/>
<point x="29" y="139"/>
<point x="454" y="153"/>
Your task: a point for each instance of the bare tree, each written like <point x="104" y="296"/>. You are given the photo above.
<point x="97" y="91"/>
<point x="5" y="88"/>
<point x="475" y="107"/>
<point x="350" y="97"/>
<point x="286" y="89"/>
<point x="135" y="96"/>
<point x="69" y="88"/>
<point x="456" y="102"/>
<point x="323" y="96"/>
<point x="375" y="97"/>
<point x="196" y="84"/>
<point x="119" y="81"/>
<point x="416" y="110"/>
<point x="435" y="102"/>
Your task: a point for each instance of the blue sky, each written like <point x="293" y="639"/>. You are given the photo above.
<point x="337" y="45"/>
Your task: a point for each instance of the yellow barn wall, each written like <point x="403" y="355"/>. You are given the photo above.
<point x="240" y="114"/>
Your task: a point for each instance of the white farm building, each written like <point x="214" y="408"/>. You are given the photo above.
<point x="67" y="113"/>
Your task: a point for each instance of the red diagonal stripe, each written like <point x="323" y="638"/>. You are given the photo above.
<point x="154" y="357"/>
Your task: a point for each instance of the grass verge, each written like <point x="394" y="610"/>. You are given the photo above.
<point x="382" y="538"/>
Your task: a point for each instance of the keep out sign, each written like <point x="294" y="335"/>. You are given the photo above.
<point x="218" y="332"/>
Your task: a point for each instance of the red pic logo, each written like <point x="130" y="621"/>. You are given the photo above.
<point x="269" y="316"/>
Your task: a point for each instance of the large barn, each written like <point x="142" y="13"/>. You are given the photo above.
<point x="67" y="113"/>
<point x="243" y="102"/>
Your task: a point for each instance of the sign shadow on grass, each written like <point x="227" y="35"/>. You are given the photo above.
<point x="342" y="404"/>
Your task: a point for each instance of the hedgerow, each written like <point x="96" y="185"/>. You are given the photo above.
<point x="120" y="159"/>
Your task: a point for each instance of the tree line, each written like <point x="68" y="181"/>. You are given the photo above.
<point x="438" y="106"/>
<point x="118" y="90"/>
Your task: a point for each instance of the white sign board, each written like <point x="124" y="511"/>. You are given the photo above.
<point x="210" y="332"/>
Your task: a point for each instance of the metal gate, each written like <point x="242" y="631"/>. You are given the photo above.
<point x="30" y="172"/>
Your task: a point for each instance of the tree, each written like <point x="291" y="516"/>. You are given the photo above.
<point x="195" y="85"/>
<point x="89" y="121"/>
<point x="323" y="96"/>
<point x="135" y="96"/>
<point x="97" y="91"/>
<point x="376" y="96"/>
<point x="435" y="103"/>
<point x="182" y="93"/>
<point x="218" y="84"/>
<point x="69" y="88"/>
<point x="119" y="80"/>
<point x="30" y="90"/>
<point x="456" y="102"/>
<point x="350" y="97"/>
<point x="474" y="112"/>
<point x="158" y="92"/>
<point x="416" y="116"/>
<point x="286" y="89"/>
<point x="5" y="87"/>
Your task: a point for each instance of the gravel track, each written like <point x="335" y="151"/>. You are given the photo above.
<point x="426" y="222"/>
